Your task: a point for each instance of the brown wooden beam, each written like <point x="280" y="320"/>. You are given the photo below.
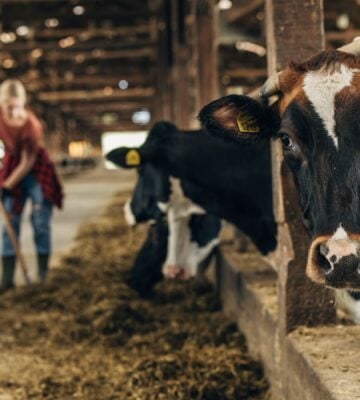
<point x="206" y="23"/>
<point x="91" y="82"/>
<point x="59" y="33"/>
<point x="79" y="46"/>
<point x="300" y="301"/>
<point x="83" y="95"/>
<point x="245" y="73"/>
<point x="121" y="126"/>
<point x="101" y="108"/>
<point x="343" y="36"/>
<point x="59" y="55"/>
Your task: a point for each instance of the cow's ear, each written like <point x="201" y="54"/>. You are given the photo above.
<point x="238" y="117"/>
<point x="162" y="129"/>
<point x="125" y="157"/>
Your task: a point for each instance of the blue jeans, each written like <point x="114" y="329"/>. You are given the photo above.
<point x="40" y="217"/>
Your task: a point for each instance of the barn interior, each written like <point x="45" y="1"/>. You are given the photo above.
<point x="107" y="70"/>
<point x="93" y="66"/>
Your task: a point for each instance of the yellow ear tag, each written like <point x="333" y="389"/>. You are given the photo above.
<point x="132" y="158"/>
<point x="247" y="123"/>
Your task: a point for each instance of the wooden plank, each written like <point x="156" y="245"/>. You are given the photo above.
<point x="207" y="22"/>
<point x="83" y="95"/>
<point x="93" y="32"/>
<point x="241" y="73"/>
<point x="101" y="108"/>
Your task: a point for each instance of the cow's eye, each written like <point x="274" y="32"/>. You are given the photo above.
<point x="286" y="141"/>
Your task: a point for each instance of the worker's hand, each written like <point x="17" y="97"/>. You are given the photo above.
<point x="4" y="192"/>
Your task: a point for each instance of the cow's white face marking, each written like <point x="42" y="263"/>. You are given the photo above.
<point x="128" y="214"/>
<point x="339" y="246"/>
<point x="182" y="252"/>
<point x="340" y="234"/>
<point x="345" y="302"/>
<point x="321" y="88"/>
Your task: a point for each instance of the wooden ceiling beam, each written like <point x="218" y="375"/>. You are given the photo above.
<point x="91" y="81"/>
<point x="245" y="73"/>
<point x="145" y="52"/>
<point x="112" y="32"/>
<point x="343" y="36"/>
<point x="103" y="108"/>
<point x="56" y="56"/>
<point x="120" y="126"/>
<point x="85" y="95"/>
<point x="89" y="45"/>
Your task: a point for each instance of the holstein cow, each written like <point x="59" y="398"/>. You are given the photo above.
<point x="147" y="269"/>
<point x="231" y="183"/>
<point x="193" y="235"/>
<point x="317" y="119"/>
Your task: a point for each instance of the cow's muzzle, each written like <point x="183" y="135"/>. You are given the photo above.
<point x="175" y="272"/>
<point x="335" y="262"/>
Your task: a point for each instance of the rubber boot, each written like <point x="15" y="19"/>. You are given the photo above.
<point x="43" y="263"/>
<point x="8" y="269"/>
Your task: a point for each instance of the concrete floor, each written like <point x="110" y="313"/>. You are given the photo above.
<point x="86" y="197"/>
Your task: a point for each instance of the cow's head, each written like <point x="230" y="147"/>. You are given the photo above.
<point x="157" y="195"/>
<point x="318" y="121"/>
<point x="152" y="189"/>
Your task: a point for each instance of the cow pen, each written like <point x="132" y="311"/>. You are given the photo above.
<point x="116" y="67"/>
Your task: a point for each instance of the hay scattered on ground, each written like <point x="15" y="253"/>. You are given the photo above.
<point x="87" y="335"/>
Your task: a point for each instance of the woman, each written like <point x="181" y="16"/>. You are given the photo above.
<point x="27" y="173"/>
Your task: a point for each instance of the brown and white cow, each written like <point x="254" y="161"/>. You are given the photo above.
<point x="317" y="118"/>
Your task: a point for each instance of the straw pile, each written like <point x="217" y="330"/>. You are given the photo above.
<point x="87" y="335"/>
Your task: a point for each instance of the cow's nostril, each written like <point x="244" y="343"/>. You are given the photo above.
<point x="322" y="261"/>
<point x="333" y="259"/>
<point x="324" y="250"/>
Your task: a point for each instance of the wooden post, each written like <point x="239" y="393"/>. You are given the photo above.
<point x="207" y="46"/>
<point x="183" y="35"/>
<point x="294" y="31"/>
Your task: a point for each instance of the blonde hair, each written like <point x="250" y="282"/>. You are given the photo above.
<point x="12" y="88"/>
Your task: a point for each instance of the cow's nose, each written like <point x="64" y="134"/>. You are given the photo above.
<point x="335" y="262"/>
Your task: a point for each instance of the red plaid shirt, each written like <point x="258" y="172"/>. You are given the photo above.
<point x="43" y="171"/>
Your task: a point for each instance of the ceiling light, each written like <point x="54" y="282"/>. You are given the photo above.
<point x="69" y="76"/>
<point x="22" y="30"/>
<point x="67" y="42"/>
<point x="80" y="58"/>
<point x="78" y="10"/>
<point x="51" y="22"/>
<point x="141" y="117"/>
<point x="343" y="21"/>
<point x="109" y="118"/>
<point x="225" y="4"/>
<point x="8" y="37"/>
<point x="8" y="63"/>
<point x="251" y="47"/>
<point x="36" y="53"/>
<point x="123" y="84"/>
<point x="108" y="91"/>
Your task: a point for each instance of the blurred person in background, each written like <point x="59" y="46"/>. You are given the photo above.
<point x="27" y="174"/>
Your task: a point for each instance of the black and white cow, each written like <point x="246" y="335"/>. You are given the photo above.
<point x="193" y="235"/>
<point x="147" y="269"/>
<point x="317" y="120"/>
<point x="209" y="174"/>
